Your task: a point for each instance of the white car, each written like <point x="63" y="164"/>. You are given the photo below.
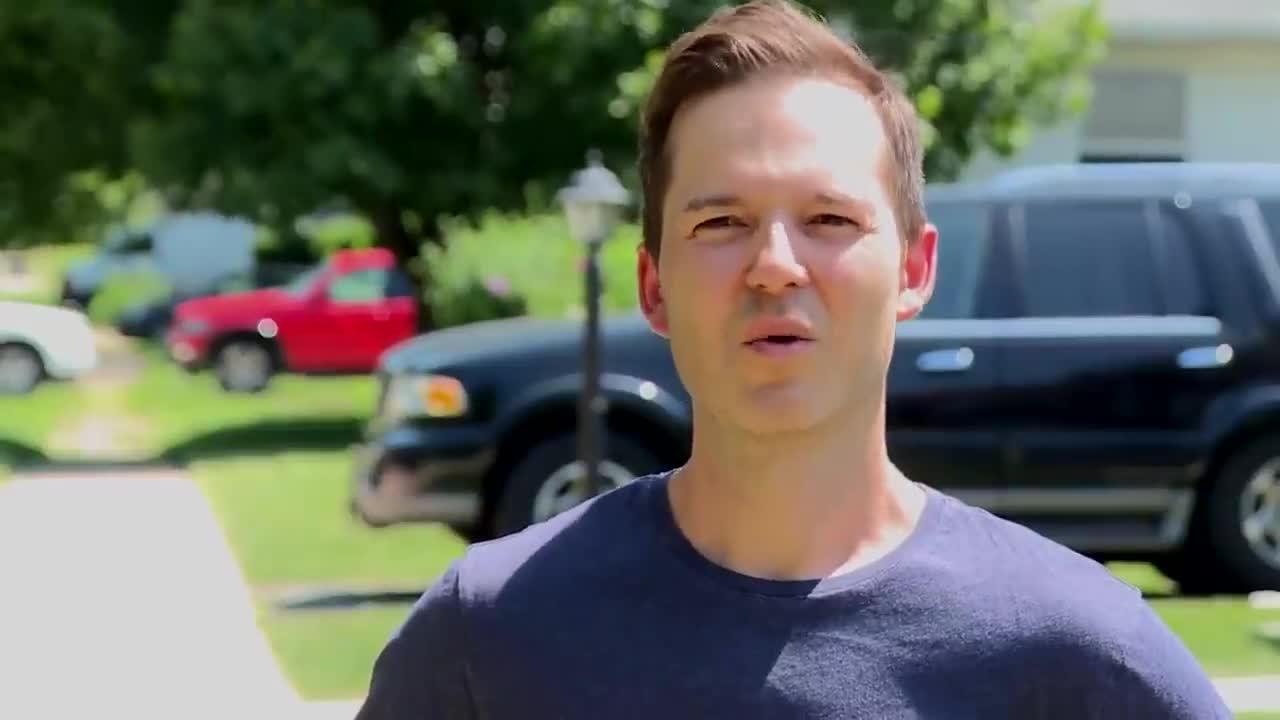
<point x="39" y="342"/>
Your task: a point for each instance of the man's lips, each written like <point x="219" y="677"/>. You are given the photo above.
<point x="778" y="335"/>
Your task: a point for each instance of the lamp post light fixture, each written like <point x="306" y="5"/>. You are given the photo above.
<point x="593" y="203"/>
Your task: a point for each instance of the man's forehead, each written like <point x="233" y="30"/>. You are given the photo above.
<point x="779" y="127"/>
<point x="806" y="104"/>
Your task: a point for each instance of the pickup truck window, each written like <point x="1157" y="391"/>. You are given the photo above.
<point x="361" y="286"/>
<point x="1089" y="259"/>
<point x="399" y="285"/>
<point x="301" y="284"/>
<point x="963" y="238"/>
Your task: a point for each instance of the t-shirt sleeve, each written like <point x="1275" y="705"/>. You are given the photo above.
<point x="422" y="671"/>
<point x="1160" y="678"/>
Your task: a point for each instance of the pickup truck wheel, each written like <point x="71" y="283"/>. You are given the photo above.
<point x="20" y="369"/>
<point x="549" y="479"/>
<point x="243" y="366"/>
<point x="1244" y="516"/>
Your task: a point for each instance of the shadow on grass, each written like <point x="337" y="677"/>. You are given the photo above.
<point x="346" y="599"/>
<point x="20" y="454"/>
<point x="267" y="437"/>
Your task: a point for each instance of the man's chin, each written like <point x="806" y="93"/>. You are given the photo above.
<point x="782" y="411"/>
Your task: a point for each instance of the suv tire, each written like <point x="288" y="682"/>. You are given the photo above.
<point x="244" y="366"/>
<point x="548" y="469"/>
<point x="1250" y="478"/>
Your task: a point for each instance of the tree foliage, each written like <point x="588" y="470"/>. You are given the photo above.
<point x="409" y="112"/>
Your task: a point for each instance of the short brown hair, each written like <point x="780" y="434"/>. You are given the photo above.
<point x="771" y="36"/>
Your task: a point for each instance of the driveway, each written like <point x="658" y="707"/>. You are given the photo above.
<point x="121" y="599"/>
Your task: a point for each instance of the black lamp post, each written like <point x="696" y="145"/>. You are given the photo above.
<point x="593" y="205"/>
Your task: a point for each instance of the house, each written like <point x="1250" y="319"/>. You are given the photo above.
<point x="1193" y="80"/>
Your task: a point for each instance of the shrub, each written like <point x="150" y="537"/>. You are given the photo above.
<point x="508" y="264"/>
<point x="124" y="289"/>
<point x="474" y="301"/>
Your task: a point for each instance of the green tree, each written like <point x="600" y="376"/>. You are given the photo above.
<point x="60" y="65"/>
<point x="411" y="112"/>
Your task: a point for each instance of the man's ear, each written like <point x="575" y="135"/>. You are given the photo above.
<point x="650" y="289"/>
<point x="919" y="269"/>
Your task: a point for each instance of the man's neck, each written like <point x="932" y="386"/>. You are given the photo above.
<point x="794" y="508"/>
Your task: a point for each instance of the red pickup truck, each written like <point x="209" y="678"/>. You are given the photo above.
<point x="338" y="317"/>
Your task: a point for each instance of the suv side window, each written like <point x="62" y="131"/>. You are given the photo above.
<point x="1089" y="259"/>
<point x="964" y="234"/>
<point x="1185" y="291"/>
<point x="359" y="287"/>
<point x="1271" y="216"/>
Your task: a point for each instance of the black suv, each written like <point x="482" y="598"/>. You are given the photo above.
<point x="1100" y="362"/>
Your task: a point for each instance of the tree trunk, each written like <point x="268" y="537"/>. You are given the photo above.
<point x="393" y="236"/>
<point x="407" y="249"/>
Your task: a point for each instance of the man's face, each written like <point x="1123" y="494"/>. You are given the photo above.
<point x="782" y="270"/>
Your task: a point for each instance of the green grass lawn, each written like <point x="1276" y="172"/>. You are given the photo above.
<point x="1220" y="631"/>
<point x="286" y="520"/>
<point x="26" y="421"/>
<point x="190" y="417"/>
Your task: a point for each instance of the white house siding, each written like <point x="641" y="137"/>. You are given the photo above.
<point x="1230" y="98"/>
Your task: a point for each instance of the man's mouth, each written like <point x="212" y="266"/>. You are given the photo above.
<point x="779" y="346"/>
<point x="778" y="340"/>
<point x="778" y="335"/>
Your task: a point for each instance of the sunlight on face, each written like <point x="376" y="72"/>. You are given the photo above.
<point x="777" y="222"/>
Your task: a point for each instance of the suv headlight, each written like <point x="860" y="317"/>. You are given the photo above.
<point x="432" y="396"/>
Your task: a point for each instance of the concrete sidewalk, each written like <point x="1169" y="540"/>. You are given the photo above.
<point x="121" y="599"/>
<point x="1251" y="694"/>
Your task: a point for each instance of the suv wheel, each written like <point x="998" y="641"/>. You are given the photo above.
<point x="1244" y="516"/>
<point x="20" y="369"/>
<point x="550" y="479"/>
<point x="243" y="366"/>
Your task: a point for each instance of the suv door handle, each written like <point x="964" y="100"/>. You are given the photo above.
<point x="1207" y="356"/>
<point x="949" y="360"/>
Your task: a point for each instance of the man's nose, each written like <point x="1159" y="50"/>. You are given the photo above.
<point x="775" y="265"/>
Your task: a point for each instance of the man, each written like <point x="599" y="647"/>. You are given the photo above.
<point x="788" y="569"/>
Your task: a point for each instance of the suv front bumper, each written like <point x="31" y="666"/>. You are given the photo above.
<point x="415" y="473"/>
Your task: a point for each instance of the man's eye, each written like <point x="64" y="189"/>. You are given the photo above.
<point x="714" y="223"/>
<point x="829" y="219"/>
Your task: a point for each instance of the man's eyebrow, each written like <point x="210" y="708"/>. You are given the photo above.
<point x="830" y="198"/>
<point x="702" y="202"/>
<point x="723" y="200"/>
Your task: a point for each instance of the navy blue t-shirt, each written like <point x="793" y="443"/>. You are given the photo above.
<point x="607" y="611"/>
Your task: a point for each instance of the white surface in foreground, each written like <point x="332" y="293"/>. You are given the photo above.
<point x="121" y="599"/>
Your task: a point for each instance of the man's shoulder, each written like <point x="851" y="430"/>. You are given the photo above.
<point x="560" y="548"/>
<point x="1060" y="609"/>
<point x="525" y="582"/>
<point x="1072" y="617"/>
<point x="1049" y="585"/>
